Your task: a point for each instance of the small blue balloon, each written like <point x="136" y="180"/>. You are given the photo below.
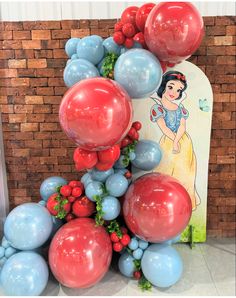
<point x="148" y="155"/>
<point x="9" y="252"/>
<point x="132" y="156"/>
<point x="110" y="207"/>
<point x="133" y="243"/>
<point x="5" y="243"/>
<point x="28" y="226"/>
<point x="90" y="48"/>
<point x="71" y="46"/>
<point x="24" y="274"/>
<point x="142" y="244"/>
<point x="2" y="252"/>
<point x="94" y="188"/>
<point x="137" y="253"/>
<point x="120" y="171"/>
<point x="42" y="203"/>
<point x="101" y="175"/>
<point x="86" y="179"/>
<point x="126" y="265"/>
<point x="49" y="186"/>
<point x="74" y="57"/>
<point x="136" y="45"/>
<point x="100" y="67"/>
<point x="111" y="47"/>
<point x="121" y="163"/>
<point x="139" y="72"/>
<point x="77" y="70"/>
<point x="162" y="265"/>
<point x="116" y="185"/>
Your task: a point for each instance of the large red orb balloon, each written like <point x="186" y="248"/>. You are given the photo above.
<point x="157" y="207"/>
<point x="96" y="113"/>
<point x="80" y="253"/>
<point x="173" y="31"/>
<point x="142" y="14"/>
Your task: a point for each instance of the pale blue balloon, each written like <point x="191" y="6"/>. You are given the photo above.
<point x="49" y="186"/>
<point x="121" y="163"/>
<point x="136" y="45"/>
<point x="10" y="251"/>
<point x="86" y="179"/>
<point x="120" y="171"/>
<point x="28" y="226"/>
<point x="24" y="274"/>
<point x="137" y="253"/>
<point x="71" y="46"/>
<point x="2" y="261"/>
<point x="101" y="175"/>
<point x="100" y="67"/>
<point x="116" y="185"/>
<point x="94" y="188"/>
<point x="147" y="155"/>
<point x="162" y="265"/>
<point x="42" y="203"/>
<point x="139" y="72"/>
<point x="77" y="70"/>
<point x="133" y="243"/>
<point x="110" y="207"/>
<point x="2" y="252"/>
<point x="90" y="48"/>
<point x="74" y="57"/>
<point x="142" y="244"/>
<point x="126" y="265"/>
<point x="5" y="243"/>
<point x="111" y="47"/>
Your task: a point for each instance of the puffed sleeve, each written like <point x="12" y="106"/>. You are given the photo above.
<point x="156" y="112"/>
<point x="184" y="112"/>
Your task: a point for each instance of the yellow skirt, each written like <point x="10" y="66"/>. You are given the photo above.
<point x="181" y="166"/>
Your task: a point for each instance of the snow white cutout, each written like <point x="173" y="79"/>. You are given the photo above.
<point x="178" y="158"/>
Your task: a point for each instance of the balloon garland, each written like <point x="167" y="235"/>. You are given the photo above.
<point x="83" y="222"/>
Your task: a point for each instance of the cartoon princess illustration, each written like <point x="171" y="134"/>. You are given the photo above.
<point x="178" y="158"/>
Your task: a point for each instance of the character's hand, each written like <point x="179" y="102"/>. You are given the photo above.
<point x="176" y="147"/>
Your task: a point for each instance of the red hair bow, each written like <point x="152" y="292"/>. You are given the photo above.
<point x="179" y="76"/>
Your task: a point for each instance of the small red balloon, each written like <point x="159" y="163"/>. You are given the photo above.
<point x="174" y="31"/>
<point x="129" y="15"/>
<point x="110" y="155"/>
<point x="96" y="113"/>
<point x="129" y="43"/>
<point x="104" y="166"/>
<point x="142" y="15"/>
<point x="84" y="159"/>
<point x="83" y="207"/>
<point x="80" y="253"/>
<point x="119" y="37"/>
<point x="128" y="30"/>
<point x="157" y="207"/>
<point x="139" y="37"/>
<point x="118" y="26"/>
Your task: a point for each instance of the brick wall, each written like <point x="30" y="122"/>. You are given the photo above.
<point x="32" y="59"/>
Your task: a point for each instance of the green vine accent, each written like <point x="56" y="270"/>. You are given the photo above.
<point x="108" y="65"/>
<point x="137" y="264"/>
<point x="126" y="151"/>
<point x="60" y="207"/>
<point x="144" y="284"/>
<point x="98" y="217"/>
<point x="114" y="227"/>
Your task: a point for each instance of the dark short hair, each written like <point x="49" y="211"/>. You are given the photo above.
<point x="170" y="76"/>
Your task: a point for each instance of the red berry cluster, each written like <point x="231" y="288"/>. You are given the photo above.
<point x="102" y="160"/>
<point x="70" y="202"/>
<point x="132" y="135"/>
<point x="120" y="242"/>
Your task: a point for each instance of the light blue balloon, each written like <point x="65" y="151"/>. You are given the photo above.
<point x="126" y="265"/>
<point x="100" y="67"/>
<point x="2" y="252"/>
<point x="148" y="155"/>
<point x="120" y="171"/>
<point x="86" y="179"/>
<point x="24" y="274"/>
<point x="120" y="163"/>
<point x="116" y="185"/>
<point x="10" y="251"/>
<point x="42" y="203"/>
<point x="139" y="72"/>
<point x="111" y="47"/>
<point x="5" y="243"/>
<point x="74" y="57"/>
<point x="133" y="243"/>
<point x="49" y="186"/>
<point x="142" y="244"/>
<point x="101" y="175"/>
<point x="2" y="261"/>
<point x="71" y="46"/>
<point x="110" y="207"/>
<point x="94" y="188"/>
<point x="162" y="265"/>
<point x="28" y="226"/>
<point x="137" y="253"/>
<point x="173" y="240"/>
<point x="77" y="70"/>
<point x="132" y="156"/>
<point x="90" y="48"/>
<point x="136" y="45"/>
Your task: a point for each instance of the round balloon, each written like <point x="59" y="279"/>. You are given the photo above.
<point x="49" y="186"/>
<point x="142" y="14"/>
<point x="28" y="226"/>
<point x="157" y="200"/>
<point x="24" y="274"/>
<point x="161" y="265"/>
<point x="71" y="46"/>
<point x="147" y="155"/>
<point x="126" y="264"/>
<point x="174" y="31"/>
<point x="80" y="253"/>
<point x="90" y="48"/>
<point x="77" y="70"/>
<point x="139" y="72"/>
<point x="110" y="46"/>
<point x="96" y="113"/>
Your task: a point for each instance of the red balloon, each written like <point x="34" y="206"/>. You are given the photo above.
<point x="119" y="37"/>
<point x="174" y="31"/>
<point x="128" y="30"/>
<point x="96" y="113"/>
<point x="83" y="207"/>
<point x="129" y="15"/>
<point x="139" y="37"/>
<point x="80" y="253"/>
<point x="84" y="159"/>
<point x="157" y="207"/>
<point x="142" y="14"/>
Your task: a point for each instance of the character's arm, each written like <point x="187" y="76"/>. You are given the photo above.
<point x="161" y="123"/>
<point x="181" y="130"/>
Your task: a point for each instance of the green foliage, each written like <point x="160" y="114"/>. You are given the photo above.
<point x="98" y="217"/>
<point x="61" y="213"/>
<point x="137" y="264"/>
<point x="126" y="151"/>
<point x="108" y="65"/>
<point x="144" y="284"/>
<point x="114" y="227"/>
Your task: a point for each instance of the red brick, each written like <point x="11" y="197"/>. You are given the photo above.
<point x="26" y="73"/>
<point x="231" y="30"/>
<point x="31" y="44"/>
<point x="8" y="73"/>
<point x="56" y="63"/>
<point x="37" y="63"/>
<point x="43" y="54"/>
<point x="3" y="99"/>
<point x="34" y="100"/>
<point x="60" y="34"/>
<point x="41" y="25"/>
<point x="50" y="44"/>
<point x="41" y="34"/>
<point x="48" y="127"/>
<point x="55" y="82"/>
<point x="20" y="81"/>
<point x="48" y="160"/>
<point x="70" y="24"/>
<point x="225" y="20"/>
<point x="17" y="63"/>
<point x="4" y="35"/>
<point x="60" y="90"/>
<point x="22" y="109"/>
<point x="6" y="54"/>
<point x="45" y="91"/>
<point x="48" y="73"/>
<point x="223" y="40"/>
<point x="229" y="88"/>
<point x="11" y="44"/>
<point x="13" y="26"/>
<point x="21" y="54"/>
<point x="59" y="53"/>
<point x="80" y="32"/>
<point x="42" y="109"/>
<point x="29" y="127"/>
<point x="14" y="118"/>
<point x="229" y="61"/>
<point x="231" y="50"/>
<point x="6" y="109"/>
<point x="216" y="30"/>
<point x="38" y="82"/>
<point x="33" y="144"/>
<point x="21" y="35"/>
<point x="35" y="117"/>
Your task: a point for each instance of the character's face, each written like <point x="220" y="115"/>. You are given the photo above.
<point x="173" y="90"/>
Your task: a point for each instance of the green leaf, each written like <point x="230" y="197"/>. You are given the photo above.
<point x="144" y="284"/>
<point x="137" y="264"/>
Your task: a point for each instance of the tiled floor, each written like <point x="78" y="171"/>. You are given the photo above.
<point x="209" y="270"/>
